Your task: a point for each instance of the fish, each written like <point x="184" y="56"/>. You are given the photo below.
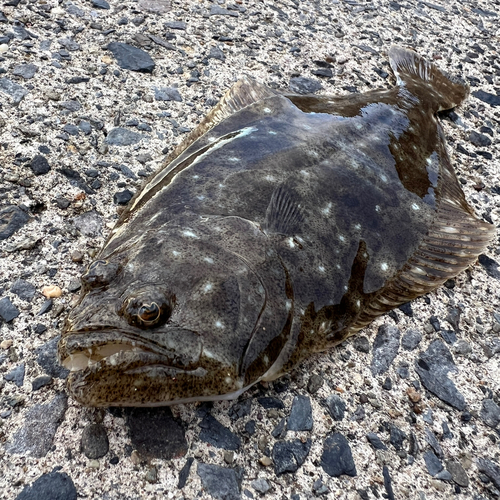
<point x="281" y="226"/>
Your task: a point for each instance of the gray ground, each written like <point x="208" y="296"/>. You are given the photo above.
<point x="273" y="42"/>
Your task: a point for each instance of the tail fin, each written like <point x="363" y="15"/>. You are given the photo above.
<point x="426" y="81"/>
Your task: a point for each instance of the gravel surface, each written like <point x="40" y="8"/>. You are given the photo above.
<point x="93" y="94"/>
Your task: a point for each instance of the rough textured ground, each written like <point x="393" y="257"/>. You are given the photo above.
<point x="64" y="167"/>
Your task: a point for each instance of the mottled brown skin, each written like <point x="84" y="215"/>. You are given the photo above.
<point x="282" y="229"/>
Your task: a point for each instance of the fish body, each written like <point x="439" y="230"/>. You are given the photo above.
<point x="281" y="226"/>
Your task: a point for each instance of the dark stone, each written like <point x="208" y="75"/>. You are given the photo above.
<point x="12" y="218"/>
<point x="324" y="72"/>
<point x="288" y="456"/>
<point x="337" y="456"/>
<point x="432" y="440"/>
<point x="449" y="336"/>
<point x="12" y="89"/>
<point x="46" y="307"/>
<point x="132" y="58"/>
<point x="94" y="443"/>
<point x="453" y="318"/>
<point x="385" y="348"/>
<point x="411" y="339"/>
<point x="184" y="473"/>
<point x="16" y="375"/>
<point x="220" y="482"/>
<point x="434" y="321"/>
<point x="447" y="434"/>
<point x="74" y="80"/>
<point x="216" y="53"/>
<point x="375" y="441"/>
<point x="62" y="203"/>
<point x="71" y="129"/>
<point x="269" y="402"/>
<point x="36" y="435"/>
<point x="280" y="430"/>
<point x="75" y="179"/>
<point x="215" y="10"/>
<point x="123" y="197"/>
<point x="406" y="309"/>
<point x="155" y="433"/>
<point x="71" y="105"/>
<point x="432" y="463"/>
<point x="213" y="432"/>
<point x="479" y="140"/>
<point x="432" y="367"/>
<point x="387" y="385"/>
<point x="40" y="382"/>
<point x="8" y="311"/>
<point x="120" y="136"/>
<point x="300" y="418"/>
<point x="314" y="384"/>
<point x="240" y="409"/>
<point x="23" y="289"/>
<point x="51" y="486"/>
<point x="388" y="483"/>
<point x="176" y="25"/>
<point x="250" y="427"/>
<point x="397" y="437"/>
<point x="114" y="460"/>
<point x="491" y="99"/>
<point x="491" y="267"/>
<point x="167" y="94"/>
<point x="403" y="370"/>
<point x="26" y="71"/>
<point x="336" y="407"/>
<point x="491" y="469"/>
<point x="457" y="472"/>
<point x="100" y="4"/>
<point x="47" y="359"/>
<point x="302" y="85"/>
<point x="361" y="344"/>
<point x="490" y="413"/>
<point x="89" y="223"/>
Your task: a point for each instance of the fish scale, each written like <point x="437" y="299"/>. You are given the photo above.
<point x="282" y="225"/>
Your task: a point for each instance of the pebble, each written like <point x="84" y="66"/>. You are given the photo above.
<point x="479" y="140"/>
<point x="385" y="348"/>
<point x="336" y="458"/>
<point x="411" y="339"/>
<point x="490" y="468"/>
<point x="336" y="406"/>
<point x="155" y="433"/>
<point x="12" y="218"/>
<point x="130" y="57"/>
<point x="151" y="475"/>
<point x="220" y="482"/>
<point x="388" y="483"/>
<point x="260" y="485"/>
<point x="184" y="473"/>
<point x="432" y="463"/>
<point x="94" y="442"/>
<point x="300" y="418"/>
<point x="375" y="441"/>
<point x="213" y="432"/>
<point x="490" y="413"/>
<point x="361" y="344"/>
<point x="491" y="266"/>
<point x="12" y="89"/>
<point x="432" y="367"/>
<point x="51" y="291"/>
<point x="265" y="461"/>
<point x="16" y="375"/>
<point x="89" y="224"/>
<point x="120" y="136"/>
<point x="26" y="71"/>
<point x="167" y="94"/>
<point x="46" y="307"/>
<point x="288" y="456"/>
<point x="432" y="440"/>
<point x="47" y="359"/>
<point x="487" y="97"/>
<point x="41" y="381"/>
<point x="302" y="85"/>
<point x="457" y="472"/>
<point x="462" y="347"/>
<point x="314" y="383"/>
<point x="52" y="486"/>
<point x="23" y="289"/>
<point x="8" y="311"/>
<point x="269" y="402"/>
<point x="100" y="4"/>
<point x="35" y="439"/>
<point x="397" y="437"/>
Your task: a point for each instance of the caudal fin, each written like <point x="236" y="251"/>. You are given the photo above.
<point x="425" y="80"/>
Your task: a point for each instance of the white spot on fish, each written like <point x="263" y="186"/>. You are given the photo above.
<point x="288" y="304"/>
<point x="357" y="226"/>
<point x="189" y="234"/>
<point x="358" y="303"/>
<point x="307" y="127"/>
<point x="267" y="110"/>
<point x="305" y="173"/>
<point x="228" y="380"/>
<point x="415" y="206"/>
<point x="377" y="208"/>
<point x="208" y="259"/>
<point x="384" y="266"/>
<point x="234" y="158"/>
<point x="290" y="242"/>
<point x="326" y="210"/>
<point x="321" y="269"/>
<point x="341" y="238"/>
<point x="200" y="197"/>
<point x="207" y="287"/>
<point x="272" y="132"/>
<point x="270" y="178"/>
<point x="175" y="253"/>
<point x="359" y="126"/>
<point x="196" y="176"/>
<point x="219" y="324"/>
<point x="384" y="178"/>
<point x="429" y="161"/>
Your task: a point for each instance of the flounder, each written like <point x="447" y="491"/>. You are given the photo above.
<point x="281" y="226"/>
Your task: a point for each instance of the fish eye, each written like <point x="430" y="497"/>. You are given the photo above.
<point x="100" y="273"/>
<point x="146" y="312"/>
<point x="149" y="313"/>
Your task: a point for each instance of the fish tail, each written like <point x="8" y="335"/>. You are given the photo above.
<point x="426" y="81"/>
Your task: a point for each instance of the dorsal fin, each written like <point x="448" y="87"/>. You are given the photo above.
<point x="424" y="80"/>
<point x="284" y="213"/>
<point x="244" y="92"/>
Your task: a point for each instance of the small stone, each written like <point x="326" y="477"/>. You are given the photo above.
<point x="411" y="339"/>
<point x="184" y="473"/>
<point x="302" y="85"/>
<point x="12" y="89"/>
<point x="432" y="440"/>
<point x="51" y="291"/>
<point x="288" y="456"/>
<point x="375" y="441"/>
<point x="122" y="197"/>
<point x="462" y="347"/>
<point x="152" y="475"/>
<point x="40" y="382"/>
<point x="47" y="359"/>
<point x="16" y="375"/>
<point x="94" y="442"/>
<point x="457" y="472"/>
<point x="120" y="136"/>
<point x="167" y="94"/>
<point x="300" y="418"/>
<point x="216" y="53"/>
<point x="361" y="344"/>
<point x="337" y="456"/>
<point x="314" y="384"/>
<point x="444" y="475"/>
<point x="260" y="485"/>
<point x="397" y="437"/>
<point x="54" y="485"/>
<point x="432" y="463"/>
<point x="155" y="6"/>
<point x="5" y="344"/>
<point x="46" y="307"/>
<point x="385" y="348"/>
<point x="491" y="469"/>
<point x="220" y="482"/>
<point x="336" y="406"/>
<point x="100" y="4"/>
<point x="268" y="402"/>
<point x="12" y="218"/>
<point x="265" y="461"/>
<point x="23" y="289"/>
<point x="491" y="266"/>
<point x="8" y="311"/>
<point x="490" y="413"/>
<point x="26" y="71"/>
<point x="479" y="140"/>
<point x="132" y="58"/>
<point x="229" y="457"/>
<point x="387" y="385"/>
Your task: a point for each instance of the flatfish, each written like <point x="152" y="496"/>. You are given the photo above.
<point x="281" y="226"/>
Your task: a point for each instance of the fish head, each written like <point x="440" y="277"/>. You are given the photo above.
<point x="168" y="319"/>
